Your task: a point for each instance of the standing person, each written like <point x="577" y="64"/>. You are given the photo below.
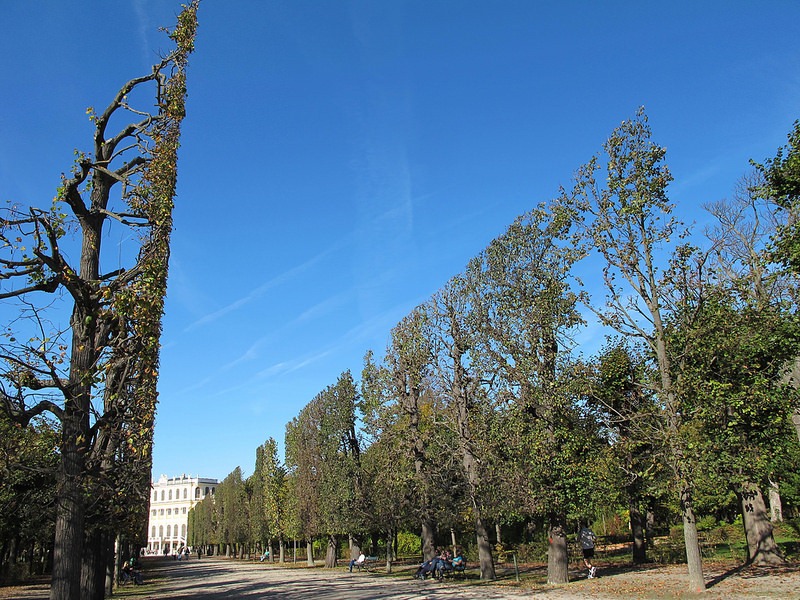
<point x="586" y="537"/>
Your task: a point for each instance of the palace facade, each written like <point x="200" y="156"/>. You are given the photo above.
<point x="170" y="502"/>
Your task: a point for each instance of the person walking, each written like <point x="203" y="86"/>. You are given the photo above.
<point x="586" y="537"/>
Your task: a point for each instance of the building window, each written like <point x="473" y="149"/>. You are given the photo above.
<point x="185" y="493"/>
<point x="154" y="512"/>
<point x="162" y="495"/>
<point x="161" y="531"/>
<point x="169" y="511"/>
<point x="197" y="493"/>
<point x="170" y="494"/>
<point x="206" y="490"/>
<point x="153" y="531"/>
<point x="155" y="495"/>
<point x="184" y="510"/>
<point x="183" y="530"/>
<point x="169" y="530"/>
<point x="161" y="512"/>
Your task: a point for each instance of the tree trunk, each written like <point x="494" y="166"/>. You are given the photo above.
<point x="310" y="553"/>
<point x="697" y="582"/>
<point x="470" y="463"/>
<point x="93" y="567"/>
<point x="68" y="545"/>
<point x="557" y="557"/>
<point x="761" y="547"/>
<point x="428" y="538"/>
<point x="389" y="549"/>
<point x="498" y="531"/>
<point x="637" y="530"/>
<point x="775" y="504"/>
<point x="332" y="554"/>
<point x="484" y="549"/>
<point x="282" y="551"/>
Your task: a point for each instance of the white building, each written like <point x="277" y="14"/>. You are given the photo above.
<point x="170" y="503"/>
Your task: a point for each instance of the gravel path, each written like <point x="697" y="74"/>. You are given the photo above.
<point x="219" y="578"/>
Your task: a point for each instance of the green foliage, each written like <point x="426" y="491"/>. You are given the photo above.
<point x="782" y="176"/>
<point x="28" y="466"/>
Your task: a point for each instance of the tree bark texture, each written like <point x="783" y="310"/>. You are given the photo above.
<point x="96" y="554"/>
<point x="694" y="561"/>
<point x="761" y="547"/>
<point x="775" y="504"/>
<point x="309" y="553"/>
<point x="485" y="558"/>
<point x="331" y="555"/>
<point x="637" y="531"/>
<point x="428" y="538"/>
<point x="68" y="543"/>
<point x="557" y="557"/>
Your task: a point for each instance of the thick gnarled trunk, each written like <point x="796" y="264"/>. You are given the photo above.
<point x="761" y="547"/>
<point x="332" y="553"/>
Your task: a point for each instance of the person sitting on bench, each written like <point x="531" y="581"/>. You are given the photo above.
<point x="357" y="562"/>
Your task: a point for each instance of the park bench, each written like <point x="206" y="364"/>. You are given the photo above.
<point x="452" y="570"/>
<point x="370" y="562"/>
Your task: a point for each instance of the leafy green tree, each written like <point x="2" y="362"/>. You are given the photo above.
<point x="303" y="463"/>
<point x="341" y="482"/>
<point x="233" y="514"/>
<point x="408" y="364"/>
<point x="203" y="530"/>
<point x="782" y="184"/>
<point x="741" y="405"/>
<point x="452" y="337"/>
<point x="621" y="397"/>
<point x="750" y="284"/>
<point x="527" y="312"/>
<point x="630" y="223"/>
<point x="27" y="493"/>
<point x="388" y="466"/>
<point x="273" y="498"/>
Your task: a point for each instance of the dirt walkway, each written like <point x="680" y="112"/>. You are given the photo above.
<point x="217" y="579"/>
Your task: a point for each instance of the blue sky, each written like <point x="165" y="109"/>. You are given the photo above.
<point x="341" y="160"/>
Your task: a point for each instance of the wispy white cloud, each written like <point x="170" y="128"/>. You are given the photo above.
<point x="323" y="308"/>
<point x="290" y="366"/>
<point x="264" y="288"/>
<point x="143" y="24"/>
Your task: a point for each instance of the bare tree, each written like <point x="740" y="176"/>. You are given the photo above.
<point x="97" y="375"/>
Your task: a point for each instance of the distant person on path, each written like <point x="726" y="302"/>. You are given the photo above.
<point x="199" y="552"/>
<point x="357" y="561"/>
<point x="586" y="537"/>
<point x="264" y="556"/>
